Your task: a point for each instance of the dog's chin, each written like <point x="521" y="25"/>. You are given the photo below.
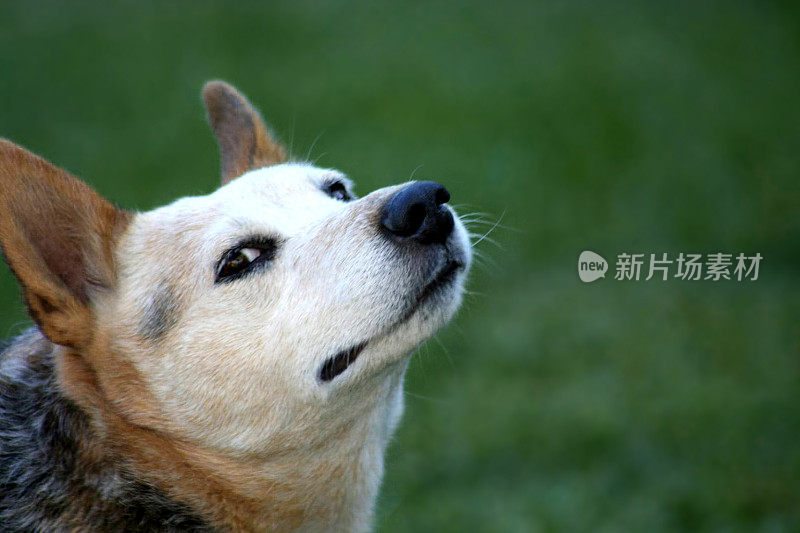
<point x="438" y="299"/>
<point x="434" y="301"/>
<point x="427" y="307"/>
<point x="426" y="310"/>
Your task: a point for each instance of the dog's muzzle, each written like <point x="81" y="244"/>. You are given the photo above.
<point x="416" y="215"/>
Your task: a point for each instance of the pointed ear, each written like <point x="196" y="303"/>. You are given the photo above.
<point x="58" y="237"/>
<point x="244" y="141"/>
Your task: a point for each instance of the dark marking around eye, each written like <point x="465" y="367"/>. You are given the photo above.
<point x="338" y="191"/>
<point x="232" y="266"/>
<point x="160" y="314"/>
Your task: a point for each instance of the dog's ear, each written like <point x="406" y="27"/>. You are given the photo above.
<point x="58" y="237"/>
<point x="244" y="141"/>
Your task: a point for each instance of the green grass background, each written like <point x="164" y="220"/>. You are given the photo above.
<point x="549" y="405"/>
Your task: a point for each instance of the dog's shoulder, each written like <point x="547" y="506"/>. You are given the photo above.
<point x="51" y="476"/>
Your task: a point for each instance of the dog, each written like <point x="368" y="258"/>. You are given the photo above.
<point x="230" y="362"/>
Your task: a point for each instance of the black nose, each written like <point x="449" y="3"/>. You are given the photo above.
<point x="416" y="212"/>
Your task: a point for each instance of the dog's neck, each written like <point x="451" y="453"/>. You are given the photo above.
<point x="55" y="472"/>
<point x="329" y="485"/>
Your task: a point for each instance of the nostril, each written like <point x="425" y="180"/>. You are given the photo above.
<point x="446" y="221"/>
<point x="415" y="218"/>
<point x="442" y="196"/>
<point x="403" y="216"/>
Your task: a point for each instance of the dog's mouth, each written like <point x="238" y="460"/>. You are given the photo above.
<point x="340" y="362"/>
<point x="443" y="278"/>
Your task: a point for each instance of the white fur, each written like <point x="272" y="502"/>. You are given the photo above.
<point x="238" y="371"/>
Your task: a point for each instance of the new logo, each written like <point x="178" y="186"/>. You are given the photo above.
<point x="591" y="266"/>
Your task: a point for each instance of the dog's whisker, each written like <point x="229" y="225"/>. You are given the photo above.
<point x="470" y="222"/>
<point x="411" y="177"/>
<point x="313" y="144"/>
<point x="486" y="263"/>
<point x="486" y="235"/>
<point x="320" y="156"/>
<point x="471" y="213"/>
<point x="427" y="398"/>
<point x="467" y="206"/>
<point x="484" y="222"/>
<point x="483" y="259"/>
<point x="479" y="221"/>
<point x="486" y="266"/>
<point x="490" y="240"/>
<point x="475" y="222"/>
<point x="444" y="350"/>
<point x="291" y="141"/>
<point x="474" y="294"/>
<point x="487" y="222"/>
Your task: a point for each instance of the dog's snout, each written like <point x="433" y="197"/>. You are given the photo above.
<point x="417" y="212"/>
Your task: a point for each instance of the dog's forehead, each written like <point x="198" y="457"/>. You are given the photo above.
<point x="279" y="185"/>
<point x="282" y="199"/>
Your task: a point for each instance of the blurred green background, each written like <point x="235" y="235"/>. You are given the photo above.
<point x="549" y="405"/>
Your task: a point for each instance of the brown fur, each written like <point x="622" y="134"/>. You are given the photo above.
<point x="181" y="411"/>
<point x="58" y="236"/>
<point x="244" y="142"/>
<point x="229" y="494"/>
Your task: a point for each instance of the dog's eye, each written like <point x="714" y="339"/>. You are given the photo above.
<point x="338" y="191"/>
<point x="236" y="261"/>
<point x="241" y="259"/>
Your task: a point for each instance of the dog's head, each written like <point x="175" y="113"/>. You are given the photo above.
<point x="248" y="319"/>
